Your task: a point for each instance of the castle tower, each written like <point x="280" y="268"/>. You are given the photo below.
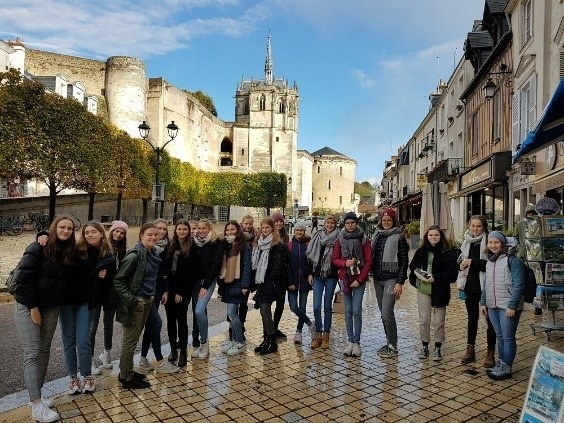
<point x="17" y="58"/>
<point x="265" y="132"/>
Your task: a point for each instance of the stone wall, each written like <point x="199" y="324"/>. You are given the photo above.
<point x="340" y="171"/>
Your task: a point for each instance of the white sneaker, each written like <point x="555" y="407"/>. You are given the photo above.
<point x="348" y="349"/>
<point x="166" y="367"/>
<point x="106" y="359"/>
<point x="356" y="351"/>
<point x="227" y="346"/>
<point x="95" y="370"/>
<point x="88" y="384"/>
<point x="41" y="413"/>
<point x="49" y="402"/>
<point x="204" y="351"/>
<point x="237" y="348"/>
<point x="144" y="364"/>
<point x="196" y="352"/>
<point x="298" y="338"/>
<point x="311" y="328"/>
<point x="74" y="386"/>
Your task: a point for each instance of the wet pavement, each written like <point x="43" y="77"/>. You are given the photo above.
<point x="299" y="384"/>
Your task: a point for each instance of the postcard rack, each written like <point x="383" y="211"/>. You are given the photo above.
<point x="551" y="299"/>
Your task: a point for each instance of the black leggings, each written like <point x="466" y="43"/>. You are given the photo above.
<point x="177" y="322"/>
<point x="473" y="309"/>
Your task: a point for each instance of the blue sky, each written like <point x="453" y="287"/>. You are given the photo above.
<point x="364" y="68"/>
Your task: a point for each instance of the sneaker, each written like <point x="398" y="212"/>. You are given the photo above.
<point x="196" y="352"/>
<point x="311" y="328"/>
<point x="74" y="386"/>
<point x="135" y="383"/>
<point x="49" y="402"/>
<point x="227" y="346"/>
<point x="279" y="334"/>
<point x="144" y="364"/>
<point x="88" y="384"/>
<point x="495" y="368"/>
<point x="106" y="359"/>
<point x="424" y="353"/>
<point x="41" y="413"/>
<point x="204" y="350"/>
<point x="348" y="349"/>
<point x="383" y="350"/>
<point x="356" y="351"/>
<point x="237" y="348"/>
<point x="95" y="370"/>
<point x="389" y="353"/>
<point x="500" y="372"/>
<point x="437" y="356"/>
<point x="298" y="338"/>
<point x="166" y="367"/>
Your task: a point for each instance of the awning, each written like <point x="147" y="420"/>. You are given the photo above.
<point x="550" y="126"/>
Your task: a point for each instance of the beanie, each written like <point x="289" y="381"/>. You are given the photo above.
<point x="350" y="216"/>
<point x="277" y="216"/>
<point x="118" y="224"/>
<point x="390" y="213"/>
<point x="300" y="225"/>
<point x="498" y="235"/>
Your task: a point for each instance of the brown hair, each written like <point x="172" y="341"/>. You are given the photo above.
<point x="482" y="220"/>
<point x="175" y="242"/>
<point x="275" y="234"/>
<point x="57" y="250"/>
<point x="443" y="242"/>
<point x="144" y="227"/>
<point x="240" y="239"/>
<point x="104" y="248"/>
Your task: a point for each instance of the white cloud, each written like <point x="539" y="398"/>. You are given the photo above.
<point x="363" y="79"/>
<point x="393" y="65"/>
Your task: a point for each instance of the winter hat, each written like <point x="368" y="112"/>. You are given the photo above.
<point x="277" y="216"/>
<point x="530" y="209"/>
<point x="390" y="213"/>
<point x="498" y="235"/>
<point x="350" y="216"/>
<point x="118" y="224"/>
<point x="300" y="225"/>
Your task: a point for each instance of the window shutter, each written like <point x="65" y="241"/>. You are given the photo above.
<point x="532" y="103"/>
<point x="515" y="132"/>
<point x="561" y="73"/>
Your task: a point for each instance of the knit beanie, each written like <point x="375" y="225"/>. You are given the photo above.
<point x="300" y="225"/>
<point x="390" y="213"/>
<point x="277" y="216"/>
<point x="118" y="224"/>
<point x="350" y="216"/>
<point x="499" y="236"/>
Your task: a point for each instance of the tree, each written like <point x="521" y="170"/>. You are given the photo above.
<point x="205" y="100"/>
<point x="364" y="189"/>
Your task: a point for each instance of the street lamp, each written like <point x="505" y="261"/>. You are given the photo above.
<point x="323" y="200"/>
<point x="144" y="131"/>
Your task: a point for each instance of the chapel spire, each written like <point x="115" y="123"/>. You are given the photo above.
<point x="268" y="63"/>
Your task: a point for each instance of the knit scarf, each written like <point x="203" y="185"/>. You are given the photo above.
<point x="200" y="242"/>
<point x="465" y="248"/>
<point x="390" y="255"/>
<point x="351" y="245"/>
<point x="160" y="246"/>
<point x="259" y="258"/>
<point x="313" y="252"/>
<point x="231" y="265"/>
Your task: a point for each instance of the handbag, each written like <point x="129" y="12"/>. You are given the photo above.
<point x="12" y="281"/>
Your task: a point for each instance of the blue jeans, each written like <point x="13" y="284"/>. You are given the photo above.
<point x="505" y="329"/>
<point x="200" y="310"/>
<point x="386" y="301"/>
<point x="152" y="332"/>
<point x="353" y="313"/>
<point x="295" y="297"/>
<point x="236" y="325"/>
<point x="75" y="330"/>
<point x="108" y="319"/>
<point x="323" y="290"/>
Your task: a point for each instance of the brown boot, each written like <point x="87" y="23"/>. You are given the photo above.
<point x="489" y="362"/>
<point x="470" y="355"/>
<point x="325" y="340"/>
<point x="316" y="341"/>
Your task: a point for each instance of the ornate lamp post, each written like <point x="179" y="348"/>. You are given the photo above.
<point x="158" y="191"/>
<point x="323" y="200"/>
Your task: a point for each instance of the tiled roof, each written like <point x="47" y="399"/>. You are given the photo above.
<point x="496" y="6"/>
<point x="479" y="39"/>
<point x="326" y="151"/>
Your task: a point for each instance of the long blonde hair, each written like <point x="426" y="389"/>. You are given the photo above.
<point x="212" y="232"/>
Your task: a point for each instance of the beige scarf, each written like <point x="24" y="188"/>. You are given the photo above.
<point x="231" y="265"/>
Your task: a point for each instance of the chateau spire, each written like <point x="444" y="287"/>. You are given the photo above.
<point x="268" y="62"/>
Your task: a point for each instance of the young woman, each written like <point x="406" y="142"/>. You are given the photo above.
<point x="177" y="267"/>
<point x="135" y="284"/>
<point x="207" y="256"/>
<point x="195" y="330"/>
<point x="300" y="280"/>
<point x="234" y="283"/>
<point x="352" y="256"/>
<point x="278" y="220"/>
<point x="390" y="262"/>
<point x="433" y="292"/>
<point x="319" y="253"/>
<point x="502" y="301"/>
<point x="269" y="264"/>
<point x="117" y="240"/>
<point x="473" y="261"/>
<point x="46" y="274"/>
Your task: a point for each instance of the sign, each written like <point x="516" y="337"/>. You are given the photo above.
<point x="528" y="168"/>
<point x="421" y="180"/>
<point x="477" y="175"/>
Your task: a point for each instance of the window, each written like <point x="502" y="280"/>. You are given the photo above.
<point x="561" y="68"/>
<point x="281" y="106"/>
<point x="340" y="200"/>
<point x="524" y="111"/>
<point x="262" y="103"/>
<point x="318" y="169"/>
<point x="340" y="170"/>
<point x="527" y="21"/>
<point x="242" y="152"/>
<point x="496" y="123"/>
<point x="474" y="145"/>
<point x="246" y="107"/>
<point x="329" y="184"/>
<point x="277" y="139"/>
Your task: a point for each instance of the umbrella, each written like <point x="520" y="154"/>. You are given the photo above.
<point x="427" y="215"/>
<point x="445" y="217"/>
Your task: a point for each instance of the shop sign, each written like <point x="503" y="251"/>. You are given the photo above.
<point x="477" y="175"/>
<point x="421" y="180"/>
<point x="528" y="168"/>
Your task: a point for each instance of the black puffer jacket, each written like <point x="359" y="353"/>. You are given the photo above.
<point x="276" y="277"/>
<point x="43" y="283"/>
<point x="377" y="254"/>
<point x="88" y="286"/>
<point x="476" y="266"/>
<point x="179" y="282"/>
<point x="207" y="262"/>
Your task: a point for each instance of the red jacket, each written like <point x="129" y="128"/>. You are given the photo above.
<point x="339" y="263"/>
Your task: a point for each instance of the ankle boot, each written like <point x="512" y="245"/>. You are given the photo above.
<point x="261" y="345"/>
<point x="325" y="340"/>
<point x="270" y="346"/>
<point x="173" y="356"/>
<point x="470" y="355"/>
<point x="489" y="362"/>
<point x="316" y="341"/>
<point x="183" y="358"/>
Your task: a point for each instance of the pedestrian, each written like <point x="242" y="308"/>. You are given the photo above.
<point x="42" y="287"/>
<point x="234" y="283"/>
<point x="314" y="221"/>
<point x="135" y="284"/>
<point x="195" y="330"/>
<point x="390" y="262"/>
<point x="522" y="234"/>
<point x="207" y="256"/>
<point x="247" y="224"/>
<point x="502" y="301"/>
<point x="278" y="220"/>
<point x="319" y="253"/>
<point x="117" y="239"/>
<point x="176" y="217"/>
<point x="473" y="261"/>
<point x="271" y="280"/>
<point x="433" y="269"/>
<point x="352" y="256"/>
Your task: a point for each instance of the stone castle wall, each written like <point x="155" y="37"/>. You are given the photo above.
<point x="341" y="172"/>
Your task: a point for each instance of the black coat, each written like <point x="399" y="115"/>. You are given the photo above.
<point x="43" y="283"/>
<point x="89" y="287"/>
<point x="178" y="282"/>
<point x="476" y="266"/>
<point x="207" y="262"/>
<point x="444" y="271"/>
<point x="378" y="253"/>
<point x="276" y="277"/>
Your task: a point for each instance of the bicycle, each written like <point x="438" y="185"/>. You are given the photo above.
<point x="10" y="226"/>
<point x="36" y="221"/>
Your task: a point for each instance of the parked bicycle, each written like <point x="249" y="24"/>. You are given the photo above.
<point x="36" y="221"/>
<point x="10" y="226"/>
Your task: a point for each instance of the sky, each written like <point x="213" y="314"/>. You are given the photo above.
<point x="364" y="68"/>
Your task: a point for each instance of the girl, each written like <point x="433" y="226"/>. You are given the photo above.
<point x="390" y="262"/>
<point x="46" y="274"/>
<point x="177" y="266"/>
<point x="269" y="264"/>
<point x="135" y="284"/>
<point x="473" y="262"/>
<point x="234" y="283"/>
<point x="433" y="292"/>
<point x="207" y="256"/>
<point x="300" y="280"/>
<point x="502" y="301"/>
<point x="278" y="220"/>
<point x="118" y="244"/>
<point x="352" y="256"/>
<point x="319" y="253"/>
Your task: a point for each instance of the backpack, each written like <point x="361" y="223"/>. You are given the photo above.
<point x="12" y="281"/>
<point x="530" y="290"/>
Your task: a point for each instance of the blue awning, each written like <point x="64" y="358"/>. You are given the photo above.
<point x="549" y="127"/>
